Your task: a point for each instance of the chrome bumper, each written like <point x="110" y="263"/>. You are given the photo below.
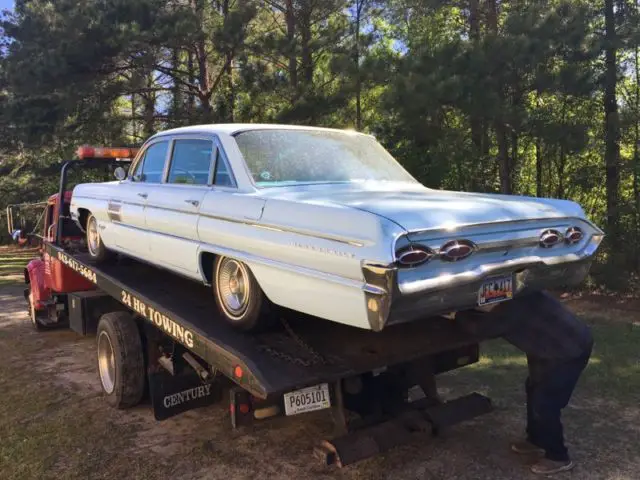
<point x="389" y="302"/>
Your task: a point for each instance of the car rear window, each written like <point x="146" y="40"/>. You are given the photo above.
<point x="280" y="157"/>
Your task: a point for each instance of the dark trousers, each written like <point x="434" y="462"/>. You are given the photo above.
<point x="549" y="389"/>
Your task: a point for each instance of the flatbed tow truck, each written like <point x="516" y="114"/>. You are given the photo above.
<point x="158" y="338"/>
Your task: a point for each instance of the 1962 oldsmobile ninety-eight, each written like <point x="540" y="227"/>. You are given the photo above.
<point x="327" y="223"/>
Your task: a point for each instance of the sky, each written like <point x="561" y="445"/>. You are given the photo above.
<point x="6" y="4"/>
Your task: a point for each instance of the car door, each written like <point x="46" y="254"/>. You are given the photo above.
<point x="127" y="207"/>
<point x="172" y="209"/>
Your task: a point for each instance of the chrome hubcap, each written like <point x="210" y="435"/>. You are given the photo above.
<point x="106" y="363"/>
<point x="233" y="286"/>
<point x="93" y="238"/>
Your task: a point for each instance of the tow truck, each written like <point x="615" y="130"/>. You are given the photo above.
<point x="158" y="339"/>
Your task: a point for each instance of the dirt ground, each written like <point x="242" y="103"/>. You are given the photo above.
<point x="55" y="424"/>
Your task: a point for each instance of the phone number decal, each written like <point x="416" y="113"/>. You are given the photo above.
<point x="76" y="266"/>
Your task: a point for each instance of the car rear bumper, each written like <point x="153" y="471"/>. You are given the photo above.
<point x="411" y="307"/>
<point x="390" y="302"/>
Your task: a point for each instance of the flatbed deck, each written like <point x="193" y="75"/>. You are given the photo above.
<point x="303" y="351"/>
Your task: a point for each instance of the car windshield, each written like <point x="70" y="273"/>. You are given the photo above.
<point x="282" y="157"/>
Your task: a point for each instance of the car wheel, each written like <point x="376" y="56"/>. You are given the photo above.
<point x="95" y="245"/>
<point x="240" y="299"/>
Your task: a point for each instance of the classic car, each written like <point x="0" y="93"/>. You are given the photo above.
<point x="325" y="222"/>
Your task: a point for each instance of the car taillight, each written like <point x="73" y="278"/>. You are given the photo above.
<point x="456" y="250"/>
<point x="549" y="238"/>
<point x="573" y="235"/>
<point x="413" y="255"/>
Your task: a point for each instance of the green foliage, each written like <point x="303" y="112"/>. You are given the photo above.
<point x="476" y="95"/>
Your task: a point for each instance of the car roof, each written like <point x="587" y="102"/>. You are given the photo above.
<point x="233" y="128"/>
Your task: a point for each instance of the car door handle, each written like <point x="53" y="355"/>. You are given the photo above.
<point x="143" y="195"/>
<point x="195" y="203"/>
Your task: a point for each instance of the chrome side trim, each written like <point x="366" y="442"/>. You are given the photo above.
<point x="279" y="228"/>
<point x="251" y="223"/>
<point x="449" y="281"/>
<point x="250" y="258"/>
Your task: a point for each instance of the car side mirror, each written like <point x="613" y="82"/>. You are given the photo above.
<point x="120" y="173"/>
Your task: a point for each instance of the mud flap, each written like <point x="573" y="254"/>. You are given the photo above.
<point x="175" y="394"/>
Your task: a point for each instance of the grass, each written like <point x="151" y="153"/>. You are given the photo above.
<point x="13" y="260"/>
<point x="11" y="280"/>
<point x="614" y="366"/>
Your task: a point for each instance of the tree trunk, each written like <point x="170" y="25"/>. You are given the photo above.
<point x="499" y="124"/>
<point x="191" y="98"/>
<point x="290" y="17"/>
<point x="539" y="192"/>
<point x="474" y="119"/>
<point x="149" y="109"/>
<point x="503" y="157"/>
<point x="561" y="165"/>
<point x="176" y="94"/>
<point x="514" y="160"/>
<point x="305" y="40"/>
<point x="134" y="122"/>
<point x="204" y="79"/>
<point x="612" y="126"/>
<point x="360" y="4"/>
<point x="231" y="100"/>
<point x="636" y="151"/>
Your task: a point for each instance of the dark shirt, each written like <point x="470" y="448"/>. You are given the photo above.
<point x="542" y="327"/>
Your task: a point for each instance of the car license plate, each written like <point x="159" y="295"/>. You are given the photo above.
<point x="307" y="400"/>
<point x="496" y="289"/>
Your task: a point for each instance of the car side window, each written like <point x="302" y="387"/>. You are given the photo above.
<point x="190" y="162"/>
<point x="151" y="167"/>
<point x="223" y="176"/>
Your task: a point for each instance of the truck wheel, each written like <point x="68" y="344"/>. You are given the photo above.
<point x="95" y="245"/>
<point x="34" y="315"/>
<point x="239" y="298"/>
<point x="120" y="360"/>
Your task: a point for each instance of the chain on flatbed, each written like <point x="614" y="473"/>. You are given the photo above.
<point x="316" y="357"/>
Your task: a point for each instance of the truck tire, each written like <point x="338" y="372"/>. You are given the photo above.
<point x="95" y="246"/>
<point x="121" y="366"/>
<point x="240" y="300"/>
<point x="34" y="315"/>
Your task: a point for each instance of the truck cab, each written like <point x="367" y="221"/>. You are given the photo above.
<point x="46" y="277"/>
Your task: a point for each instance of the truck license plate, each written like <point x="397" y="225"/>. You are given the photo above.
<point x="307" y="400"/>
<point x="496" y="289"/>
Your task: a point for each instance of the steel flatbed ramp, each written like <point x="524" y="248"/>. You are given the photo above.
<point x="303" y="351"/>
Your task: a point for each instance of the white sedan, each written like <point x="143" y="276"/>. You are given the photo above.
<point x="327" y="223"/>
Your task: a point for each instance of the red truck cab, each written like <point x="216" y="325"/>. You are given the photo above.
<point x="49" y="280"/>
<point x="47" y="277"/>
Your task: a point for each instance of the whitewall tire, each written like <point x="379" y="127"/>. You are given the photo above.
<point x="240" y="300"/>
<point x="95" y="245"/>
